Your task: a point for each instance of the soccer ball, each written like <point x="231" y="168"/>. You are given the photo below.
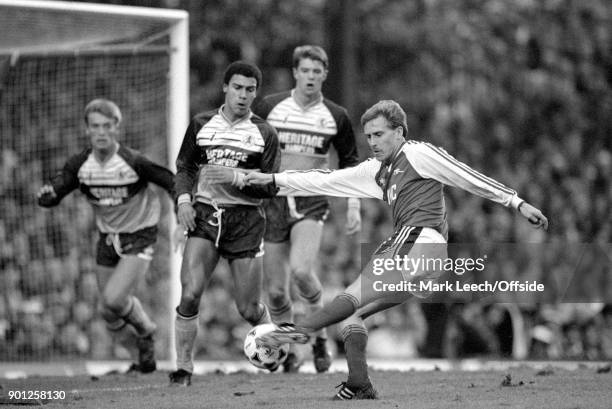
<point x="264" y="357"/>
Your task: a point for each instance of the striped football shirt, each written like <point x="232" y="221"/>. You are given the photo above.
<point x="247" y="144"/>
<point x="118" y="189"/>
<point x="306" y="133"/>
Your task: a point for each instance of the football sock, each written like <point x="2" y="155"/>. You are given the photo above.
<point x="283" y="313"/>
<point x="185" y="331"/>
<point x="314" y="305"/>
<point x="341" y="307"/>
<point x="125" y="334"/>
<point x="355" y="341"/>
<point x="375" y="307"/>
<point x="134" y="314"/>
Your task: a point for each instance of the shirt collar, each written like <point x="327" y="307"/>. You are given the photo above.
<point x="310" y="105"/>
<point x="226" y="119"/>
<point x="395" y="154"/>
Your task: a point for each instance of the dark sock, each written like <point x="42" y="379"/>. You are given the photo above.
<point x="340" y="308"/>
<point x="355" y="342"/>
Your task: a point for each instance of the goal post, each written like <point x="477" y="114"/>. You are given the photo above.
<point x="55" y="56"/>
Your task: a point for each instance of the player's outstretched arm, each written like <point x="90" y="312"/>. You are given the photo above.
<point x="358" y="181"/>
<point x="258" y="178"/>
<point x="64" y="182"/>
<point x="534" y="215"/>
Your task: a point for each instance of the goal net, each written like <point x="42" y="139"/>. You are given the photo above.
<point x="66" y="56"/>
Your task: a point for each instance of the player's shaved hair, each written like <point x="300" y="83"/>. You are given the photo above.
<point x="314" y="52"/>
<point x="391" y="111"/>
<point x="242" y="68"/>
<point x="104" y="107"/>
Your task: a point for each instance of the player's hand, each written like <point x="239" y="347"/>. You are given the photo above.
<point x="222" y="174"/>
<point x="353" y="220"/>
<point x="186" y="216"/>
<point x="258" y="178"/>
<point x="179" y="237"/>
<point x="534" y="215"/>
<point x="47" y="191"/>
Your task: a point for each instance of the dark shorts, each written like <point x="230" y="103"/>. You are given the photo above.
<point x="237" y="232"/>
<point x="112" y="246"/>
<point x="284" y="212"/>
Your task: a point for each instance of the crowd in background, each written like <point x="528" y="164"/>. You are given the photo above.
<point x="532" y="111"/>
<point x="49" y="297"/>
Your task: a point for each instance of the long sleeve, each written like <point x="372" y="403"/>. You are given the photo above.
<point x="344" y="142"/>
<point x="187" y="163"/>
<point x="155" y="173"/>
<point x="64" y="182"/>
<point x="435" y="163"/>
<point x="358" y="181"/>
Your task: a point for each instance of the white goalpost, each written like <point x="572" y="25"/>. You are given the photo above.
<point x="55" y="56"/>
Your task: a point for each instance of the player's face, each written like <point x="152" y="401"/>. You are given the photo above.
<point x="309" y="77"/>
<point x="102" y="130"/>
<point x="239" y="95"/>
<point x="382" y="138"/>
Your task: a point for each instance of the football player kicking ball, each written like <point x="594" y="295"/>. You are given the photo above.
<point x="410" y="177"/>
<point x="115" y="181"/>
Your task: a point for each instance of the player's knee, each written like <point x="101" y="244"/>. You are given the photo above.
<point x="278" y="298"/>
<point x="190" y="303"/>
<point x="250" y="311"/>
<point x="308" y="286"/>
<point x="108" y="314"/>
<point x="303" y="274"/>
<point x="113" y="302"/>
<point x="353" y="321"/>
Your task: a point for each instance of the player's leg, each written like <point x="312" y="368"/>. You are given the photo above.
<point x="418" y="244"/>
<point x="359" y="293"/>
<point x="276" y="259"/>
<point x="276" y="270"/>
<point x="355" y="337"/>
<point x="247" y="274"/>
<point x="340" y="308"/>
<point x="305" y="242"/>
<point x="242" y="245"/>
<point x="122" y="310"/>
<point x="414" y="243"/>
<point x="128" y="273"/>
<point x="199" y="260"/>
<point x="119" y="329"/>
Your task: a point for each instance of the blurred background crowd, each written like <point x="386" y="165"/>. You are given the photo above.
<point x="521" y="91"/>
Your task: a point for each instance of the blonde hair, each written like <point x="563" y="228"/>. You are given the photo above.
<point x="105" y="107"/>
<point x="314" y="52"/>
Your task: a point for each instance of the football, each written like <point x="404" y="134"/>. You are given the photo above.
<point x="264" y="357"/>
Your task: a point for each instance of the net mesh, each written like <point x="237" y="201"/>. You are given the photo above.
<point x="49" y="293"/>
<point x="28" y="29"/>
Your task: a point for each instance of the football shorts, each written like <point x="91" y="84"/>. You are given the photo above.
<point x="236" y="230"/>
<point x="282" y="213"/>
<point x="112" y="246"/>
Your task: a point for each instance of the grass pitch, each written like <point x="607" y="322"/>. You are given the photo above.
<point x="519" y="387"/>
